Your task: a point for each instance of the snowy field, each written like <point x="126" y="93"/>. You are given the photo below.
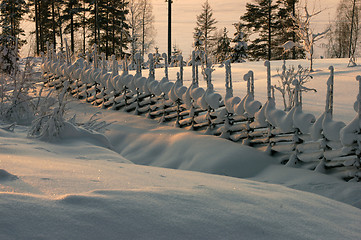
<point x="147" y="180"/>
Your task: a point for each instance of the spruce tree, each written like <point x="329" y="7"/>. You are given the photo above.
<point x="286" y="14"/>
<point x="239" y="50"/>
<point x="11" y="14"/>
<point x="206" y="24"/>
<point x="109" y="29"/>
<point x="71" y="19"/>
<point x="223" y="48"/>
<point x="261" y="18"/>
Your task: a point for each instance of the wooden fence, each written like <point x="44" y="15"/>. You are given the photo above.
<point x="298" y="139"/>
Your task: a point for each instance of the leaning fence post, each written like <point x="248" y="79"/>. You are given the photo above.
<point x="68" y="60"/>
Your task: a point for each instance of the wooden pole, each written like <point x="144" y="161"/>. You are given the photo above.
<point x="169" y="29"/>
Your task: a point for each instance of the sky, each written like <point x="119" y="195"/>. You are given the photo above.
<point x="226" y="12"/>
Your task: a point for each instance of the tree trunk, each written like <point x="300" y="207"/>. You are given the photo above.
<point x="37" y="27"/>
<point x="113" y="34"/>
<point x="41" y="29"/>
<point x="95" y="21"/>
<point x="269" y="30"/>
<point x="84" y="27"/>
<point x="60" y="30"/>
<point x="54" y="27"/>
<point x="143" y="29"/>
<point x="293" y="32"/>
<point x="107" y="34"/>
<point x="72" y="33"/>
<point x="121" y="33"/>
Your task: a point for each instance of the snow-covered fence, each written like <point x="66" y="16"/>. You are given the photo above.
<point x="298" y="138"/>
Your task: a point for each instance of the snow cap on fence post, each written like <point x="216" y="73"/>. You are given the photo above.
<point x="329" y="97"/>
<point x="250" y="82"/>
<point x="165" y="57"/>
<point x="151" y="66"/>
<point x="268" y="65"/>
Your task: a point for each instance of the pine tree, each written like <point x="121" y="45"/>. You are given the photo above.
<point x="109" y="29"/>
<point x="206" y="24"/>
<point x="286" y="14"/>
<point x="71" y="19"/>
<point x="120" y="28"/>
<point x="223" y="48"/>
<point x="261" y="18"/>
<point x="11" y="14"/>
<point x="44" y="23"/>
<point x="240" y="48"/>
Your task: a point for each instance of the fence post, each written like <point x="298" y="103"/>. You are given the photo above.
<point x="151" y="66"/>
<point x="164" y="55"/>
<point x="329" y="97"/>
<point x="181" y="70"/>
<point x="229" y="87"/>
<point x="68" y="60"/>
<point x="269" y="86"/>
<point x="95" y="56"/>
<point x="138" y="62"/>
<point x="114" y="66"/>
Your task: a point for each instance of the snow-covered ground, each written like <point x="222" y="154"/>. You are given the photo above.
<point x="155" y="181"/>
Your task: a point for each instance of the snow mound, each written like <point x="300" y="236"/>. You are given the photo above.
<point x="70" y="131"/>
<point x="173" y="148"/>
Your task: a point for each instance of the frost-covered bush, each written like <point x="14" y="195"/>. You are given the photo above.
<point x="50" y="122"/>
<point x="17" y="103"/>
<point x="287" y="84"/>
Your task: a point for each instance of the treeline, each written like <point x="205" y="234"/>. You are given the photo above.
<point x="279" y="29"/>
<point x="118" y="27"/>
